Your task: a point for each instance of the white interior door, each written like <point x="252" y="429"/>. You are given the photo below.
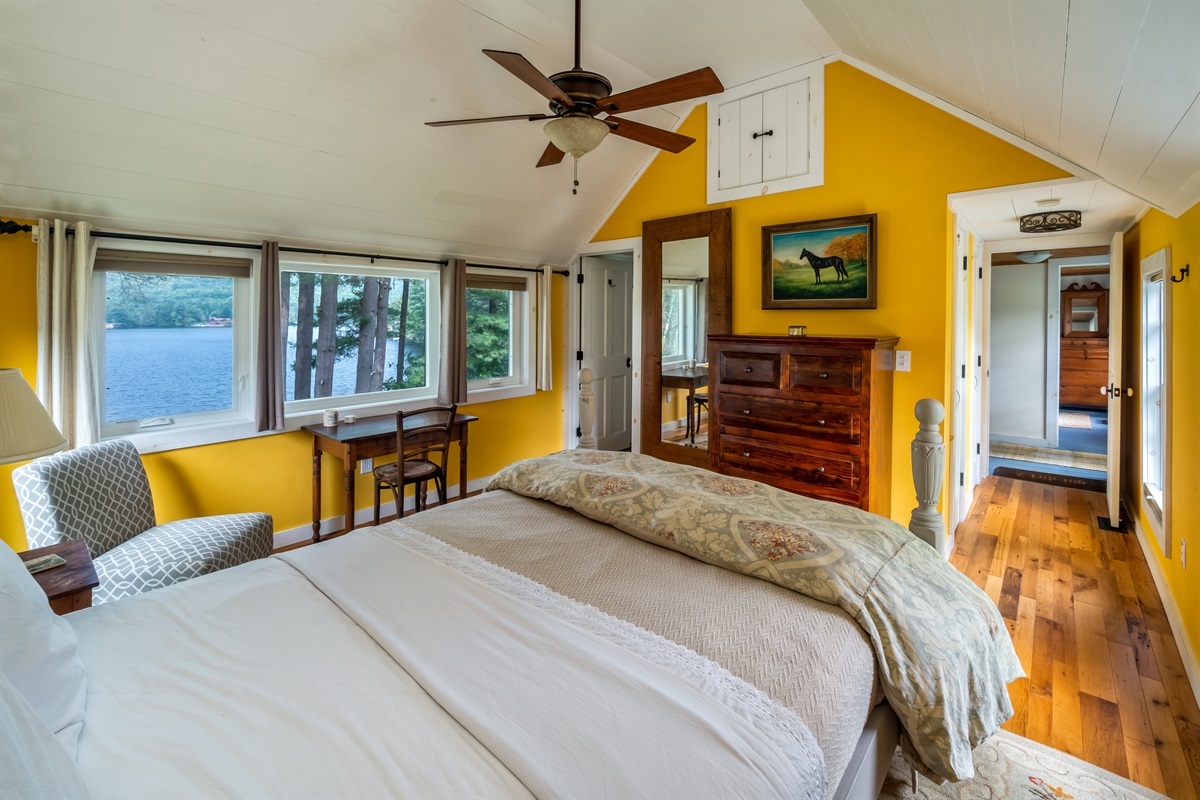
<point x="607" y="346"/>
<point x="1116" y="280"/>
<point x="975" y="370"/>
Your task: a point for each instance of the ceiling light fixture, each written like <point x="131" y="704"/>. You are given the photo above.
<point x="576" y="135"/>
<point x="1034" y="257"/>
<point x="1049" y="220"/>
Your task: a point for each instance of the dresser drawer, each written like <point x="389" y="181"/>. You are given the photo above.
<point x="831" y="374"/>
<point x="749" y="369"/>
<point x="812" y="468"/>
<point x="828" y="423"/>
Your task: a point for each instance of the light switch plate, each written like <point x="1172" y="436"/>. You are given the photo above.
<point x="903" y="360"/>
<point x="365" y="466"/>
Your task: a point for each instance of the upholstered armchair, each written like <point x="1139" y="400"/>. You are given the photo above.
<point x="100" y="493"/>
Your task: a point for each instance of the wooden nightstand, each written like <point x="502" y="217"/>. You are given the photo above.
<point x="69" y="587"/>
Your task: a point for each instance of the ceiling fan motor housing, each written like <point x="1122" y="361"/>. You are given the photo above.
<point x="585" y="88"/>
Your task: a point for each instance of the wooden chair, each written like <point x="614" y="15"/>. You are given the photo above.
<point x="697" y="402"/>
<point x="422" y="448"/>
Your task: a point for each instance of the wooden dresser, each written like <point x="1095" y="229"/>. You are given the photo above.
<point x="810" y="414"/>
<point x="1082" y="372"/>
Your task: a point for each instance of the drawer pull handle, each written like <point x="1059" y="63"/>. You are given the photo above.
<point x="820" y="422"/>
<point x="820" y="469"/>
<point x="824" y="375"/>
<point x="746" y="411"/>
<point x="749" y="369"/>
<point x="745" y="455"/>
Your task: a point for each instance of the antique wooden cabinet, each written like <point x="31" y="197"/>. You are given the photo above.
<point x="810" y="414"/>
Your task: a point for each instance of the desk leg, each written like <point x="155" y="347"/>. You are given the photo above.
<point x="351" y="463"/>
<point x="316" y="491"/>
<point x="462" y="464"/>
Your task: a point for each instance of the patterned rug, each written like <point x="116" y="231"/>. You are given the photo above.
<point x="1075" y="419"/>
<point x="1011" y="766"/>
<point x="1068" y="481"/>
<point x="1044" y="455"/>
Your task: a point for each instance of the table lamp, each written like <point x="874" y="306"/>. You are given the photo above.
<point x="26" y="430"/>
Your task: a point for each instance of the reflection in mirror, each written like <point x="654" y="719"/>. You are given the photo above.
<point x="686" y="286"/>
<point x="1085" y="314"/>
<point x="684" y="342"/>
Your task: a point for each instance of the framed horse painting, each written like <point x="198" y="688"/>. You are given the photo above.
<point x="829" y="263"/>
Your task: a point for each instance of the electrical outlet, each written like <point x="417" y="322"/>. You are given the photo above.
<point x="365" y="466"/>
<point x="670" y="396"/>
<point x="903" y="360"/>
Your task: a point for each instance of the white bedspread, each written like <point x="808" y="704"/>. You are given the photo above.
<point x="250" y="683"/>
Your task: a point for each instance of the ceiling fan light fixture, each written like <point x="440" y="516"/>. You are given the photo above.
<point x="1034" y="257"/>
<point x="1051" y="221"/>
<point x="576" y="135"/>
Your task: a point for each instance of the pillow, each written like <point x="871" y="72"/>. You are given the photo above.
<point x="38" y="652"/>
<point x="33" y="763"/>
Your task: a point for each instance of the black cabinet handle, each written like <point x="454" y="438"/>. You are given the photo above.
<point x="764" y="133"/>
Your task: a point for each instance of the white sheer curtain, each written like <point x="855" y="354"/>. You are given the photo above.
<point x="67" y="378"/>
<point x="544" y="372"/>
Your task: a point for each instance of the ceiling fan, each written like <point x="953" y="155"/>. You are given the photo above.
<point x="577" y="96"/>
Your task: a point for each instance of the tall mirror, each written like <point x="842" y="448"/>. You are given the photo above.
<point x="686" y="296"/>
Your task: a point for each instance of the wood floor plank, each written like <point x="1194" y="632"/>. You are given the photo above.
<point x="1103" y="739"/>
<point x="1105" y="679"/>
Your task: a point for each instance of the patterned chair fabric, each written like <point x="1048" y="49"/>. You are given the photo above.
<point x="100" y="494"/>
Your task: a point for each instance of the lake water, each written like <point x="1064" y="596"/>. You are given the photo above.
<point x="159" y="372"/>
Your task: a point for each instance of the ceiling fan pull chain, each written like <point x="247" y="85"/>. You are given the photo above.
<point x="576" y="190"/>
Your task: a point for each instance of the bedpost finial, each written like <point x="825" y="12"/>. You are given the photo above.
<point x="929" y="411"/>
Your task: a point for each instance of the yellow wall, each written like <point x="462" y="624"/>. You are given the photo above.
<point x="270" y="473"/>
<point x="1154" y="232"/>
<point x="886" y="153"/>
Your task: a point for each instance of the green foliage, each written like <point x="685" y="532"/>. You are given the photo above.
<point x="489" y="331"/>
<point x="165" y="301"/>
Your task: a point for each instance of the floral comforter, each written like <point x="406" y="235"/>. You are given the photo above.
<point x="944" y="655"/>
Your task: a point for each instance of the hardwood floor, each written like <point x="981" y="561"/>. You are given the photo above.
<point x="1105" y="680"/>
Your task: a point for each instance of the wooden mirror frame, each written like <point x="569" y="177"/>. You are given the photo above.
<point x="718" y="227"/>
<point x="1100" y="294"/>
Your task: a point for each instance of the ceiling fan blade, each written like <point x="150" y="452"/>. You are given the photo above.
<point x="646" y="134"/>
<point x="698" y="83"/>
<point x="528" y="117"/>
<point x="551" y="156"/>
<point x="518" y="65"/>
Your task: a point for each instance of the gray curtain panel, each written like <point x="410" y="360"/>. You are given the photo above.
<point x="452" y="384"/>
<point x="271" y="319"/>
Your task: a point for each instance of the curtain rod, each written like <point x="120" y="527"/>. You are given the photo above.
<point x="143" y="237"/>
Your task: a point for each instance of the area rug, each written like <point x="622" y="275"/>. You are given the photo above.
<point x="1068" y="481"/>
<point x="1044" y="455"/>
<point x="1075" y="419"/>
<point x="1011" y="766"/>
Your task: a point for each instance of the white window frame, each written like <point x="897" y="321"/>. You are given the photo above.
<point x="310" y="410"/>
<point x="524" y="343"/>
<point x="687" y="288"/>
<point x="1156" y="385"/>
<point x="188" y="430"/>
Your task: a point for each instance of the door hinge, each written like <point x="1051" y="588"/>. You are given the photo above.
<point x="579" y="355"/>
<point x="962" y="479"/>
<point x="964" y="370"/>
<point x="964" y="263"/>
<point x="977" y="449"/>
<point x="981" y="273"/>
<point x="979" y="361"/>
<point x="578" y="432"/>
<point x="580" y="280"/>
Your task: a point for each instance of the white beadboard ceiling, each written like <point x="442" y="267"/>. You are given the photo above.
<point x="303" y="120"/>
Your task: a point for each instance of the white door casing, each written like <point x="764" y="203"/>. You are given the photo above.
<point x="975" y="368"/>
<point x="959" y="443"/>
<point x="607" y="346"/>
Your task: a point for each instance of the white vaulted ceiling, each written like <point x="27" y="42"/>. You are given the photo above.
<point x="304" y="120"/>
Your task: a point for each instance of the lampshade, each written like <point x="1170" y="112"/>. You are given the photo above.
<point x="26" y="431"/>
<point x="576" y="135"/>
<point x="1034" y="258"/>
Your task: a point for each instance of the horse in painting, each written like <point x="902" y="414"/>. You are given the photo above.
<point x="819" y="263"/>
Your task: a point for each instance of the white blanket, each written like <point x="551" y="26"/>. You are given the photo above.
<point x="250" y="683"/>
<point x="574" y="702"/>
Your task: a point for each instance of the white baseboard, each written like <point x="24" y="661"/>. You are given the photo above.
<point x="1182" y="641"/>
<point x="362" y="516"/>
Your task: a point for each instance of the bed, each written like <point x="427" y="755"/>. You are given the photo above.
<point x="587" y="627"/>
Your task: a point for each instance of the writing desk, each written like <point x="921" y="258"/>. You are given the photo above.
<point x="690" y="379"/>
<point x="368" y="437"/>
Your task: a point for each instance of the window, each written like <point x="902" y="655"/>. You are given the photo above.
<point x="678" y="312"/>
<point x="358" y="337"/>
<point x="499" y="333"/>
<point x="173" y="342"/>
<point x="1155" y="335"/>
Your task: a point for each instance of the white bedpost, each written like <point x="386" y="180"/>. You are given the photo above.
<point x="928" y="466"/>
<point x="587" y="410"/>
